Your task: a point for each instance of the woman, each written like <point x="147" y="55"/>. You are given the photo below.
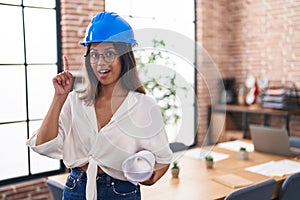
<point x="95" y="129"/>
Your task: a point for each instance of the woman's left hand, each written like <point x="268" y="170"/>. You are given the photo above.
<point x="160" y="170"/>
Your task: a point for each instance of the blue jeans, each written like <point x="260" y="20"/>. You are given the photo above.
<point x="108" y="188"/>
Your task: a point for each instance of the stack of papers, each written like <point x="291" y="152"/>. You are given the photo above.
<point x="276" y="168"/>
<point x="236" y="145"/>
<point x="200" y="153"/>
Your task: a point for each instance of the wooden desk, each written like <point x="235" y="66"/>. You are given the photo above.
<point x="195" y="181"/>
<point x="252" y="109"/>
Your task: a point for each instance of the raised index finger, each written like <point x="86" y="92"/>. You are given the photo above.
<point x="66" y="65"/>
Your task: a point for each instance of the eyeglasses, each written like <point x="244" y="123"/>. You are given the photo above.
<point x="108" y="56"/>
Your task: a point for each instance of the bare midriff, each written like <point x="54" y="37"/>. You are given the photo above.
<point x="84" y="168"/>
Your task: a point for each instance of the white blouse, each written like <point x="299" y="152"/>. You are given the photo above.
<point x="136" y="125"/>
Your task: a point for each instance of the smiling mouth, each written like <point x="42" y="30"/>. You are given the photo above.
<point x="104" y="71"/>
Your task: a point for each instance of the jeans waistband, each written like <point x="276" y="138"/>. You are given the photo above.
<point x="81" y="175"/>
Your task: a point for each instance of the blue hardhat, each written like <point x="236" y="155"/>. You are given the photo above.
<point x="108" y="27"/>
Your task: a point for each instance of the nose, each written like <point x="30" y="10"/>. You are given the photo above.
<point x="102" y="61"/>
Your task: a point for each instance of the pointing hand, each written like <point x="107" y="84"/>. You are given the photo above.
<point x="63" y="82"/>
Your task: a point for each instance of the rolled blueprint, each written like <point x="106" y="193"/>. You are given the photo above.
<point x="139" y="167"/>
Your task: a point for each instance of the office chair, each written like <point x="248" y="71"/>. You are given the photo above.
<point x="55" y="188"/>
<point x="178" y="146"/>
<point x="259" y="191"/>
<point x="294" y="142"/>
<point x="290" y="189"/>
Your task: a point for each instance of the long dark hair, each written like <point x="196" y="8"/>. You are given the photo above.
<point x="129" y="78"/>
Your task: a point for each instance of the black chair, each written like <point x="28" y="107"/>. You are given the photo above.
<point x="259" y="191"/>
<point x="290" y="189"/>
<point x="294" y="142"/>
<point x="178" y="146"/>
<point x="55" y="188"/>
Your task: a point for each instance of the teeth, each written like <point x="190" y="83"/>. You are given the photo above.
<point x="103" y="71"/>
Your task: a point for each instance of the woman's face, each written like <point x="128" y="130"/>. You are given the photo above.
<point x="106" y="63"/>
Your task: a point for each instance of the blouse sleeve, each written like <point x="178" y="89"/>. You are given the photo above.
<point x="54" y="147"/>
<point x="156" y="140"/>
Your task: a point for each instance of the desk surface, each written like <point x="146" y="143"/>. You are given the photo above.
<point x="195" y="181"/>
<point x="251" y="109"/>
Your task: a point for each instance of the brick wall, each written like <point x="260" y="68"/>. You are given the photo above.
<point x="29" y="190"/>
<point x="266" y="41"/>
<point x="249" y="37"/>
<point x="213" y="35"/>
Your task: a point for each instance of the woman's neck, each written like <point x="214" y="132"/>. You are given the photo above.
<point x="114" y="95"/>
<point x="109" y="92"/>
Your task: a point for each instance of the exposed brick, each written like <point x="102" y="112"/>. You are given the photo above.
<point x="6" y="189"/>
<point x="254" y="37"/>
<point x="28" y="190"/>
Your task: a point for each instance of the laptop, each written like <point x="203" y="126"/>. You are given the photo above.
<point x="271" y="140"/>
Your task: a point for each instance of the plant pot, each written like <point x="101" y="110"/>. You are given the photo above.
<point x="243" y="155"/>
<point x="175" y="172"/>
<point x="209" y="164"/>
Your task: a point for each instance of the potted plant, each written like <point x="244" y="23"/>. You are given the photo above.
<point x="243" y="154"/>
<point x="175" y="170"/>
<point x="209" y="161"/>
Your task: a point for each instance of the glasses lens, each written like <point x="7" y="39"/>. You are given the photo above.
<point x="108" y="56"/>
<point x="94" y="57"/>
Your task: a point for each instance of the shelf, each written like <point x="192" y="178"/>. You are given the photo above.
<point x="221" y="132"/>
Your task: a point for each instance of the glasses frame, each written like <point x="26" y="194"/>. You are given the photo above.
<point x="104" y="57"/>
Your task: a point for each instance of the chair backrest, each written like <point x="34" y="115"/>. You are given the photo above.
<point x="178" y="146"/>
<point x="294" y="142"/>
<point x="259" y="191"/>
<point x="290" y="189"/>
<point x="55" y="188"/>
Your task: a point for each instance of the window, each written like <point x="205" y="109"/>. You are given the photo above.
<point x="30" y="54"/>
<point x="170" y="23"/>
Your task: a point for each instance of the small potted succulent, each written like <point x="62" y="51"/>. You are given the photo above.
<point x="209" y="161"/>
<point x="243" y="154"/>
<point x="175" y="170"/>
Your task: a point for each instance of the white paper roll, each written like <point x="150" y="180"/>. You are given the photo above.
<point x="139" y="167"/>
